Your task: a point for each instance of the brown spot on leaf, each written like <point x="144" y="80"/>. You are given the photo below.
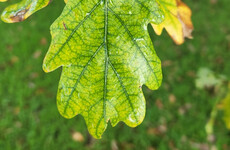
<point x="19" y="16"/>
<point x="64" y="26"/>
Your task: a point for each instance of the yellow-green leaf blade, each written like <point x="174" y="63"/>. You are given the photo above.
<point x="226" y="108"/>
<point x="22" y="10"/>
<point x="107" y="55"/>
<point x="3" y="0"/>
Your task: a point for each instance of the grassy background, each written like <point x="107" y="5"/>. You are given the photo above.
<point x="176" y="113"/>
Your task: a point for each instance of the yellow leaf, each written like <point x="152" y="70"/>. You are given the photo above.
<point x="177" y="20"/>
<point x="3" y="0"/>
<point x="184" y="15"/>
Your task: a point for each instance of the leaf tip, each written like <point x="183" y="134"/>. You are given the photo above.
<point x="45" y="68"/>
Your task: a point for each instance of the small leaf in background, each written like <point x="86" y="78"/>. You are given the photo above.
<point x="207" y="78"/>
<point x="106" y="55"/>
<point x="225" y="106"/>
<point x="221" y="104"/>
<point x="177" y="21"/>
<point x="3" y="0"/>
<point x="22" y="10"/>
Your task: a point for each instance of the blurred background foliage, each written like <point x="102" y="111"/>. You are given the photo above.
<point x="176" y="115"/>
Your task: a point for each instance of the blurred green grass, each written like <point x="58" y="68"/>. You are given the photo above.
<point x="176" y="113"/>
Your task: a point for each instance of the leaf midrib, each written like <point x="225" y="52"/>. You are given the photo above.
<point x="106" y="58"/>
<point x="107" y="62"/>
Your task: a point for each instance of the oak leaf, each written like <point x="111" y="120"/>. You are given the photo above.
<point x="177" y="21"/>
<point x="106" y="56"/>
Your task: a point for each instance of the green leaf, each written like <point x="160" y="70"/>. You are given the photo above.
<point x="106" y="55"/>
<point x="22" y="10"/>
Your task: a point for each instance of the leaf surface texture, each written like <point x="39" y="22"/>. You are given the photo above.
<point x="106" y="56"/>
